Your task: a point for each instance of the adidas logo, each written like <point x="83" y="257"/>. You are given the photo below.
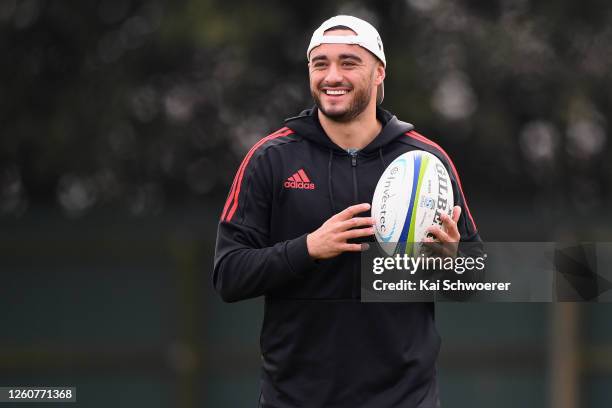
<point x="299" y="180"/>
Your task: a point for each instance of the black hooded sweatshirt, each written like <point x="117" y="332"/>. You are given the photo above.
<point x="320" y="346"/>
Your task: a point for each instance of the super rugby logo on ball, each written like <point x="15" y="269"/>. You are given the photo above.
<point x="412" y="193"/>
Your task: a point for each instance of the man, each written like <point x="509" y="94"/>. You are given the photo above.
<point x="292" y="228"/>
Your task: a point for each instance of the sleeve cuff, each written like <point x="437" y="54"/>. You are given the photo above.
<point x="298" y="257"/>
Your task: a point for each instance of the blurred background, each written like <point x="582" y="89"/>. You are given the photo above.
<point x="122" y="124"/>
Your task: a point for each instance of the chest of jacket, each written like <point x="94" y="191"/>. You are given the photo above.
<point x="309" y="185"/>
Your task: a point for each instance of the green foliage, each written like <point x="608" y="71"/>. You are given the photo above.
<point x="143" y="104"/>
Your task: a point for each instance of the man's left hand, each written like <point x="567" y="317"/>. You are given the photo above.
<point x="446" y="239"/>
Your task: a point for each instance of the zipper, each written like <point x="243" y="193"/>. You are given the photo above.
<point x="353" y="154"/>
<point x="355" y="290"/>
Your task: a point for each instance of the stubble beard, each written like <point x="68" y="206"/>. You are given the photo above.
<point x="361" y="99"/>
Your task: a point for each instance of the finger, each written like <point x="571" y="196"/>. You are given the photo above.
<point x="432" y="248"/>
<point x="353" y="247"/>
<point x="439" y="234"/>
<point x="353" y="210"/>
<point x="456" y="213"/>
<point x="354" y="222"/>
<point x="356" y="233"/>
<point x="450" y="226"/>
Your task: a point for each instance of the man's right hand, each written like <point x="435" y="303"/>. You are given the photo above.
<point x="330" y="239"/>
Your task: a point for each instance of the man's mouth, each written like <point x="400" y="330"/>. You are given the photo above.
<point x="335" y="92"/>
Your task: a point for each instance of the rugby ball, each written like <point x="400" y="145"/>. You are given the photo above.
<point x="412" y="193"/>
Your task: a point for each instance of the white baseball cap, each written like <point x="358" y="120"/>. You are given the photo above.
<point x="366" y="37"/>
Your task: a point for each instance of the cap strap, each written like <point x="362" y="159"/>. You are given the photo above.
<point x="337" y="39"/>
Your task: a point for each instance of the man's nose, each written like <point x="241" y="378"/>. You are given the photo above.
<point x="333" y="74"/>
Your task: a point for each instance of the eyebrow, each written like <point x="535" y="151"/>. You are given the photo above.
<point x="350" y="56"/>
<point x="318" y="58"/>
<point x="341" y="56"/>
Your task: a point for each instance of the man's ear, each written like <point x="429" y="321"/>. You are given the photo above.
<point x="380" y="73"/>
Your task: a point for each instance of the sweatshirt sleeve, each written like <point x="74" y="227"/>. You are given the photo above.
<point x="247" y="264"/>
<point x="470" y="241"/>
<point x="466" y="225"/>
<point x="470" y="245"/>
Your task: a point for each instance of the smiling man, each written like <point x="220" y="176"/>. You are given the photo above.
<point x="293" y="225"/>
<point x="342" y="77"/>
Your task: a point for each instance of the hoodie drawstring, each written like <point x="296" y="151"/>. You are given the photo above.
<point x="382" y="160"/>
<point x="329" y="181"/>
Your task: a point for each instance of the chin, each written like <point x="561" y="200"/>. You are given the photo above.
<point x="339" y="112"/>
<point x="337" y="107"/>
<point x="334" y="110"/>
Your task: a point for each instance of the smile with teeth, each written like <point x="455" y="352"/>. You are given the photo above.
<point x="336" y="91"/>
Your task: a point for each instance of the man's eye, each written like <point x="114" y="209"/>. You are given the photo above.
<point x="348" y="64"/>
<point x="320" y="65"/>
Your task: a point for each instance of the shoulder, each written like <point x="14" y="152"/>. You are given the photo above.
<point x="282" y="137"/>
<point x="272" y="142"/>
<point x="277" y="138"/>
<point x="251" y="167"/>
<point x="419" y="141"/>
<point x="415" y="139"/>
<point x="269" y="152"/>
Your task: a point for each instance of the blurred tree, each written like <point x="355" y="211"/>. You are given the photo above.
<point x="144" y="104"/>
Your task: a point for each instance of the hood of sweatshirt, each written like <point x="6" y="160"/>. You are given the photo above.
<point x="308" y="126"/>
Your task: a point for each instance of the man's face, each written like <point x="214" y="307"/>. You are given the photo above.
<point x="343" y="78"/>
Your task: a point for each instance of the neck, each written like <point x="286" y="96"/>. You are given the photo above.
<point x="357" y="133"/>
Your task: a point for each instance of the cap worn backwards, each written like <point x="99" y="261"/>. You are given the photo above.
<point x="365" y="36"/>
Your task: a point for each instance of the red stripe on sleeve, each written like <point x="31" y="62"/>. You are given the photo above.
<point x="240" y="169"/>
<point x="423" y="139"/>
<point x="231" y="193"/>
<point x="232" y="201"/>
<point x="239" y="172"/>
